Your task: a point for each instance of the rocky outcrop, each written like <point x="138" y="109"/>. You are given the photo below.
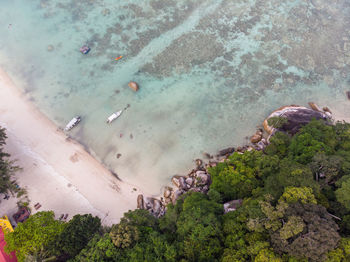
<point x="153" y="205"/>
<point x="197" y="181"/>
<point x="297" y="116"/>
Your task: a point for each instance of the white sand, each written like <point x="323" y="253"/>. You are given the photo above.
<point x="57" y="172"/>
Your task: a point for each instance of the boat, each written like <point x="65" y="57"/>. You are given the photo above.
<point x="72" y="123"/>
<point x="119" y="57"/>
<point x="114" y="116"/>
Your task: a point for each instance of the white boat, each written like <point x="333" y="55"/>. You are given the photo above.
<point x="114" y="116"/>
<point x="72" y="123"/>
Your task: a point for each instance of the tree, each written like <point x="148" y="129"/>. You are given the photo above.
<point x="34" y="236"/>
<point x="326" y="168"/>
<point x="7" y="167"/>
<point x="303" y="195"/>
<point x="343" y="193"/>
<point x="99" y="249"/>
<point x="291" y="174"/>
<point x="316" y="137"/>
<point x="76" y="234"/>
<point x="237" y="177"/>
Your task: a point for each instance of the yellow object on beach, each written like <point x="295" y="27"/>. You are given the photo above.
<point x="5" y="224"/>
<point x="119" y="57"/>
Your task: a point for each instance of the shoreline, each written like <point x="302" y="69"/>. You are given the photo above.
<point x="45" y="153"/>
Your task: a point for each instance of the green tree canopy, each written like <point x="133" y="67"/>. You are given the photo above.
<point x="34" y="236"/>
<point x="7" y="167"/>
<point x="76" y="234"/>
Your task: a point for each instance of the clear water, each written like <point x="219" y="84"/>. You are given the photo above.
<point x="209" y="71"/>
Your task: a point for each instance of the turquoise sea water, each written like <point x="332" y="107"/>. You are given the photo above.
<point x="209" y="71"/>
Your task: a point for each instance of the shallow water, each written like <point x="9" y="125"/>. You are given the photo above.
<point x="209" y="71"/>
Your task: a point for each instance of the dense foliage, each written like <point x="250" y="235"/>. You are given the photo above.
<point x="295" y="199"/>
<point x="7" y="168"/>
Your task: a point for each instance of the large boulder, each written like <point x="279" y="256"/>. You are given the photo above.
<point x="167" y="192"/>
<point x="140" y="202"/>
<point x="297" y="117"/>
<point x="202" y="179"/>
<point x="176" y="181"/>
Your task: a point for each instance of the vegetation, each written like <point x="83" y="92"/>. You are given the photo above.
<point x="295" y="207"/>
<point x="7" y="168"/>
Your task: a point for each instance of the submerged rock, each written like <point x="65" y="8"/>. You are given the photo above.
<point x="226" y="151"/>
<point x="348" y="94"/>
<point x="134" y="86"/>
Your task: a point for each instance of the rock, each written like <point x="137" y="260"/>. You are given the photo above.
<point x="140" y="202"/>
<point x="240" y="149"/>
<point x="176" y="195"/>
<point x="207" y="155"/>
<point x="182" y="181"/>
<point x="348" y="94"/>
<point x="195" y="189"/>
<point x="134" y="86"/>
<point x="176" y="181"/>
<point x="326" y="109"/>
<point x="202" y="179"/>
<point x="256" y="138"/>
<point x="313" y="106"/>
<point x="297" y="117"/>
<point x="50" y="48"/>
<point x="232" y="205"/>
<point x="205" y="188"/>
<point x="226" y="151"/>
<point x="329" y="115"/>
<point x="260" y="145"/>
<point x="199" y="162"/>
<point x="189" y="181"/>
<point x="167" y="192"/>
<point x="200" y="172"/>
<point x="155" y="206"/>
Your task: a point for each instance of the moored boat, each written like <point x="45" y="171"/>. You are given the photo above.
<point x="114" y="116"/>
<point x="72" y="123"/>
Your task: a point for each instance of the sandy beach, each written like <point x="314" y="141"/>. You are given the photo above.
<point x="57" y="171"/>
